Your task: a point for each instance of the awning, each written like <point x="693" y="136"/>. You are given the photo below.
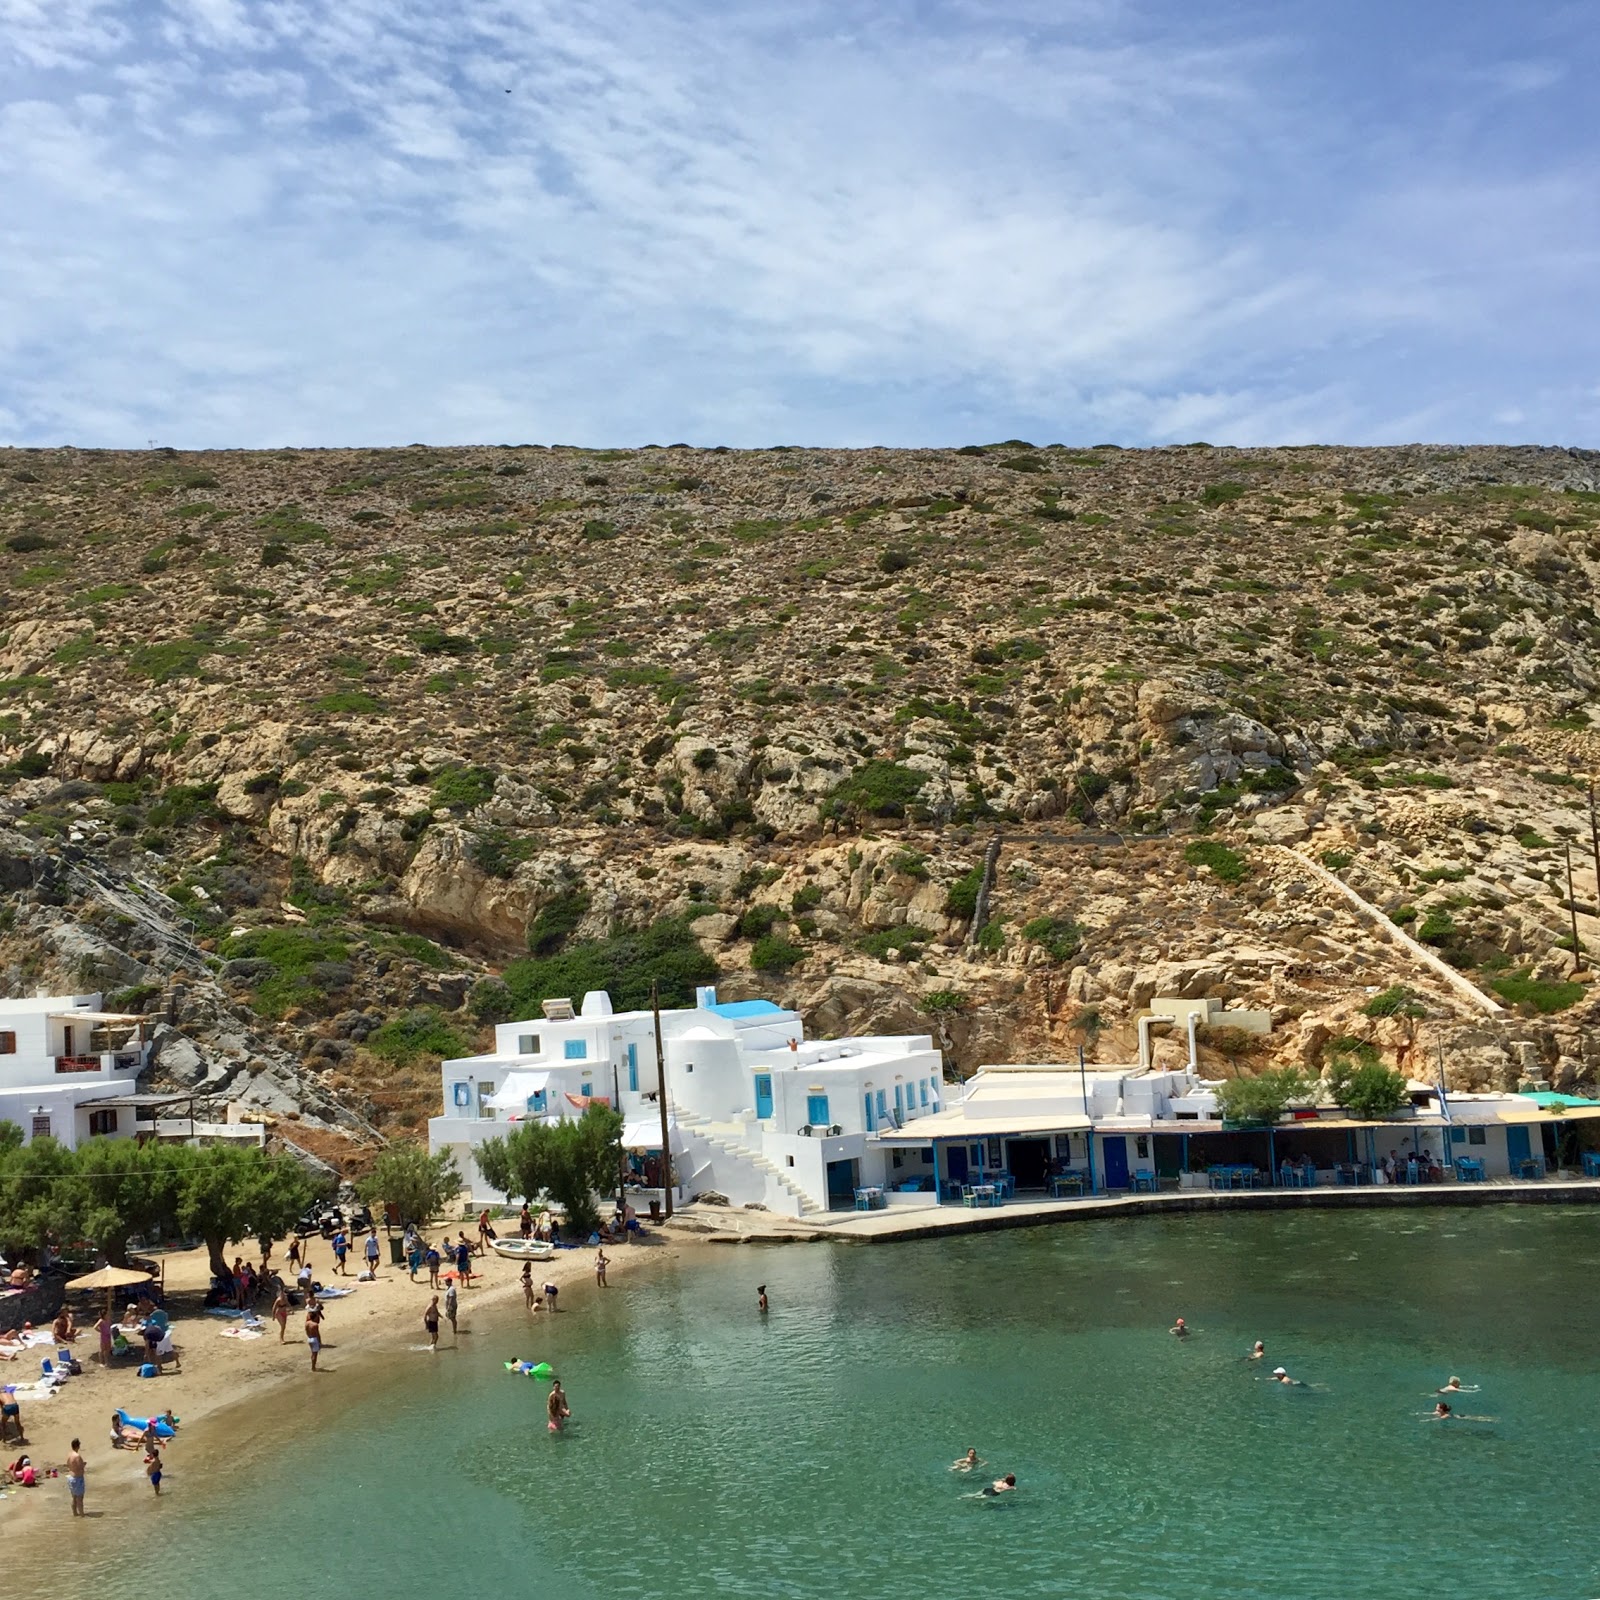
<point x="97" y="1016"/>
<point x="517" y="1090"/>
<point x="644" y="1132"/>
<point x="1544" y="1097"/>
<point x="1525" y="1114"/>
<point x="956" y="1124"/>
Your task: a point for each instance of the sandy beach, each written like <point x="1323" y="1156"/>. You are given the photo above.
<point x="368" y="1336"/>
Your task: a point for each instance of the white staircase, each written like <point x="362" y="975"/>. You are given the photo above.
<point x="725" y="1140"/>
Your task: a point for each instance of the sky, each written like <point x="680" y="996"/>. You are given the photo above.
<point x="263" y="223"/>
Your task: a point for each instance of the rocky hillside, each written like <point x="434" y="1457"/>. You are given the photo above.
<point x="336" y="736"/>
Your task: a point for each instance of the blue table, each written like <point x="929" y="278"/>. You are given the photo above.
<point x="1066" y="1183"/>
<point x="871" y="1200"/>
<point x="1141" y="1180"/>
<point x="1468" y="1170"/>
<point x="980" y="1194"/>
<point x="1533" y="1167"/>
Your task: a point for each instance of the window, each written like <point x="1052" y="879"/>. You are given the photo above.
<point x="1142" y="1145"/>
<point x="575" y="1050"/>
<point x="817" y="1110"/>
<point x="897" y="1158"/>
<point x="883" y="1105"/>
<point x="1064" y="1146"/>
<point x="586" y="1089"/>
<point x="870" y="1123"/>
<point x="461" y="1095"/>
<point x="8" y="1043"/>
<point x="485" y="1091"/>
<point x="899" y="1103"/>
<point x="633" y="1068"/>
<point x="925" y="1083"/>
<point x="1458" y="1136"/>
<point x="527" y="1044"/>
<point x="103" y="1121"/>
<point x="41" y="1128"/>
<point x="1477" y="1136"/>
<point x="996" y="1159"/>
<point x="789" y="1159"/>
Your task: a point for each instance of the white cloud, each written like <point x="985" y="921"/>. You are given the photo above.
<point x="292" y="221"/>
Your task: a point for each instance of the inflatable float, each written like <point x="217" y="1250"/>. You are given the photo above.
<point x="164" y="1429"/>
<point x="531" y="1369"/>
<point x="523" y="1249"/>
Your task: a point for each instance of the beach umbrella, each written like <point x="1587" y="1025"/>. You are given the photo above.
<point x="109" y="1278"/>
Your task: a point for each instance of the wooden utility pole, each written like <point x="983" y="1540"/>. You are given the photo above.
<point x="1594" y="843"/>
<point x="661" y="1078"/>
<point x="1572" y="908"/>
<point x="622" y="1149"/>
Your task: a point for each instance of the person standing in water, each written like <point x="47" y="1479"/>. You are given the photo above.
<point x="1001" y="1485"/>
<point x="1257" y="1351"/>
<point x="967" y="1462"/>
<point x="280" y="1310"/>
<point x="557" y="1406"/>
<point x="761" y="1297"/>
<point x="529" y="1298"/>
<point x="314" y="1332"/>
<point x="77" y="1474"/>
<point x="152" y="1467"/>
<point x="1179" y="1329"/>
<point x="430" y="1323"/>
<point x="1280" y="1376"/>
<point x="600" y="1265"/>
<point x="450" y="1309"/>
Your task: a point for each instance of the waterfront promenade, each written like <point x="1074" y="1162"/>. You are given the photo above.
<point x="928" y="1219"/>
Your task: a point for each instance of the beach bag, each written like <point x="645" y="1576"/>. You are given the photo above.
<point x="149" y="1370"/>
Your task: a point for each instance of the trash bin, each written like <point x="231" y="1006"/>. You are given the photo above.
<point x="397" y="1256"/>
<point x="655" y="1210"/>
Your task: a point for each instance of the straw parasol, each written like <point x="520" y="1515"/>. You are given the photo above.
<point x="109" y="1278"/>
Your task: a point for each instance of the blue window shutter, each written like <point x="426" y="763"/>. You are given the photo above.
<point x="633" y="1067"/>
<point x="575" y="1050"/>
<point x="870" y="1123"/>
<point x="817" y="1110"/>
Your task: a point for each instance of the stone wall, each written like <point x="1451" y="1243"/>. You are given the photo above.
<point x="37" y="1305"/>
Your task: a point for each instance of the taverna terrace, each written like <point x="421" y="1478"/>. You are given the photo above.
<point x="762" y="1116"/>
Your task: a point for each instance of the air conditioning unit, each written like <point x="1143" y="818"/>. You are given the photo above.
<point x="558" y="1011"/>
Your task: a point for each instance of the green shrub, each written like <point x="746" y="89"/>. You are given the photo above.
<point x="1395" y="1001"/>
<point x="1023" y="464"/>
<point x="556" y="920"/>
<point x="991" y="937"/>
<point x="170" y="659"/>
<point x="1336" y="860"/>
<point x="759" y="921"/>
<point x="299" y="959"/>
<point x="134" y="998"/>
<point x="910" y="864"/>
<point x="1544" y="996"/>
<point x="806" y="898"/>
<point x="1401" y="916"/>
<point x="75" y="651"/>
<point x="462" y="788"/>
<point x="347" y="702"/>
<point x="1221" y="494"/>
<point x="436" y="642"/>
<point x="622" y="964"/>
<point x="961" y="897"/>
<point x="943" y="1002"/>
<point x="499" y="853"/>
<point x="905" y="937"/>
<point x="876" y="789"/>
<point x="416" y="1035"/>
<point x="773" y="953"/>
<point x="894" y="561"/>
<point x="1261" y="1100"/>
<point x="1226" y="865"/>
<point x="1059" y="935"/>
<point x="1438" y="927"/>
<point x="1367" y="1090"/>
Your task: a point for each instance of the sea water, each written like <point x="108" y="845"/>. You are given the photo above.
<point x="806" y="1452"/>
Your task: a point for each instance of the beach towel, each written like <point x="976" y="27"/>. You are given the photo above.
<point x="238" y="1333"/>
<point x="223" y="1311"/>
<point x="333" y="1294"/>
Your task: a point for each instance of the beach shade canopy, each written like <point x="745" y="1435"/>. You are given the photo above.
<point x="109" y="1278"/>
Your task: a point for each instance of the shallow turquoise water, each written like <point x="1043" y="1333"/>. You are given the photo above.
<point x="805" y="1454"/>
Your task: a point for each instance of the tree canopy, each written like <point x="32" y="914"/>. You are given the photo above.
<point x="416" y="1184"/>
<point x="1367" y="1089"/>
<point x="1263" y="1098"/>
<point x="571" y="1161"/>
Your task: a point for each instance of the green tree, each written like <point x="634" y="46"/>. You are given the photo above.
<point x="123" y="1188"/>
<point x="231" y="1194"/>
<point x="37" y="1195"/>
<point x="1264" y="1098"/>
<point x="571" y="1161"/>
<point x="1367" y="1089"/>
<point x="417" y="1185"/>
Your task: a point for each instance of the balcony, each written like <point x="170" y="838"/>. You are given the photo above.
<point x="78" y="1064"/>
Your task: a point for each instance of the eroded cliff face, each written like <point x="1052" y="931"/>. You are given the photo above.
<point x="391" y="706"/>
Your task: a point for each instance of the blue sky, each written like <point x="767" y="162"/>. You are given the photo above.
<point x="321" y="222"/>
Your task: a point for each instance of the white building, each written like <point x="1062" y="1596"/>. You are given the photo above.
<point x="61" y="1058"/>
<point x="757" y="1112"/>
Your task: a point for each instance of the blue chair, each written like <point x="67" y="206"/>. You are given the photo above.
<point x="1468" y="1170"/>
<point x="1143" y="1179"/>
<point x="1591" y="1163"/>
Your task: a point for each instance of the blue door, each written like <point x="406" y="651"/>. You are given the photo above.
<point x="817" y="1110"/>
<point x="1116" y="1154"/>
<point x="1516" y="1147"/>
<point x="763" y="1095"/>
<point x="956" y="1163"/>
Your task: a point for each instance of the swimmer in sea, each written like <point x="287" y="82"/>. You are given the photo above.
<point x="968" y="1461"/>
<point x="1442" y="1413"/>
<point x="1257" y="1351"/>
<point x="1280" y="1376"/>
<point x="761" y="1297"/>
<point x="1456" y="1386"/>
<point x="1000" y="1486"/>
<point x="1179" y="1329"/>
<point x="557" y="1407"/>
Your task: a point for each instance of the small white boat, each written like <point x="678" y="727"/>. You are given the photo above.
<point x="523" y="1249"/>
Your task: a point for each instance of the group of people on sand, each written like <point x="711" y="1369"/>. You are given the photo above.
<point x="1441" y="1412"/>
<point x="421" y="1254"/>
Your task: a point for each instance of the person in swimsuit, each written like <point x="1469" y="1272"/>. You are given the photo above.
<point x="314" y="1332"/>
<point x="77" y="1472"/>
<point x="1001" y="1485"/>
<point x="1257" y="1351"/>
<point x="529" y="1298"/>
<point x="557" y="1406"/>
<point x="967" y="1462"/>
<point x="152" y="1467"/>
<point x="1280" y="1376"/>
<point x="280" y="1310"/>
<point x="433" y="1258"/>
<point x="551" y="1290"/>
<point x="1179" y="1329"/>
<point x="10" y="1417"/>
<point x="450" y="1308"/>
<point x="761" y="1297"/>
<point x="525" y="1221"/>
<point x="430" y="1323"/>
<point x="600" y="1265"/>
